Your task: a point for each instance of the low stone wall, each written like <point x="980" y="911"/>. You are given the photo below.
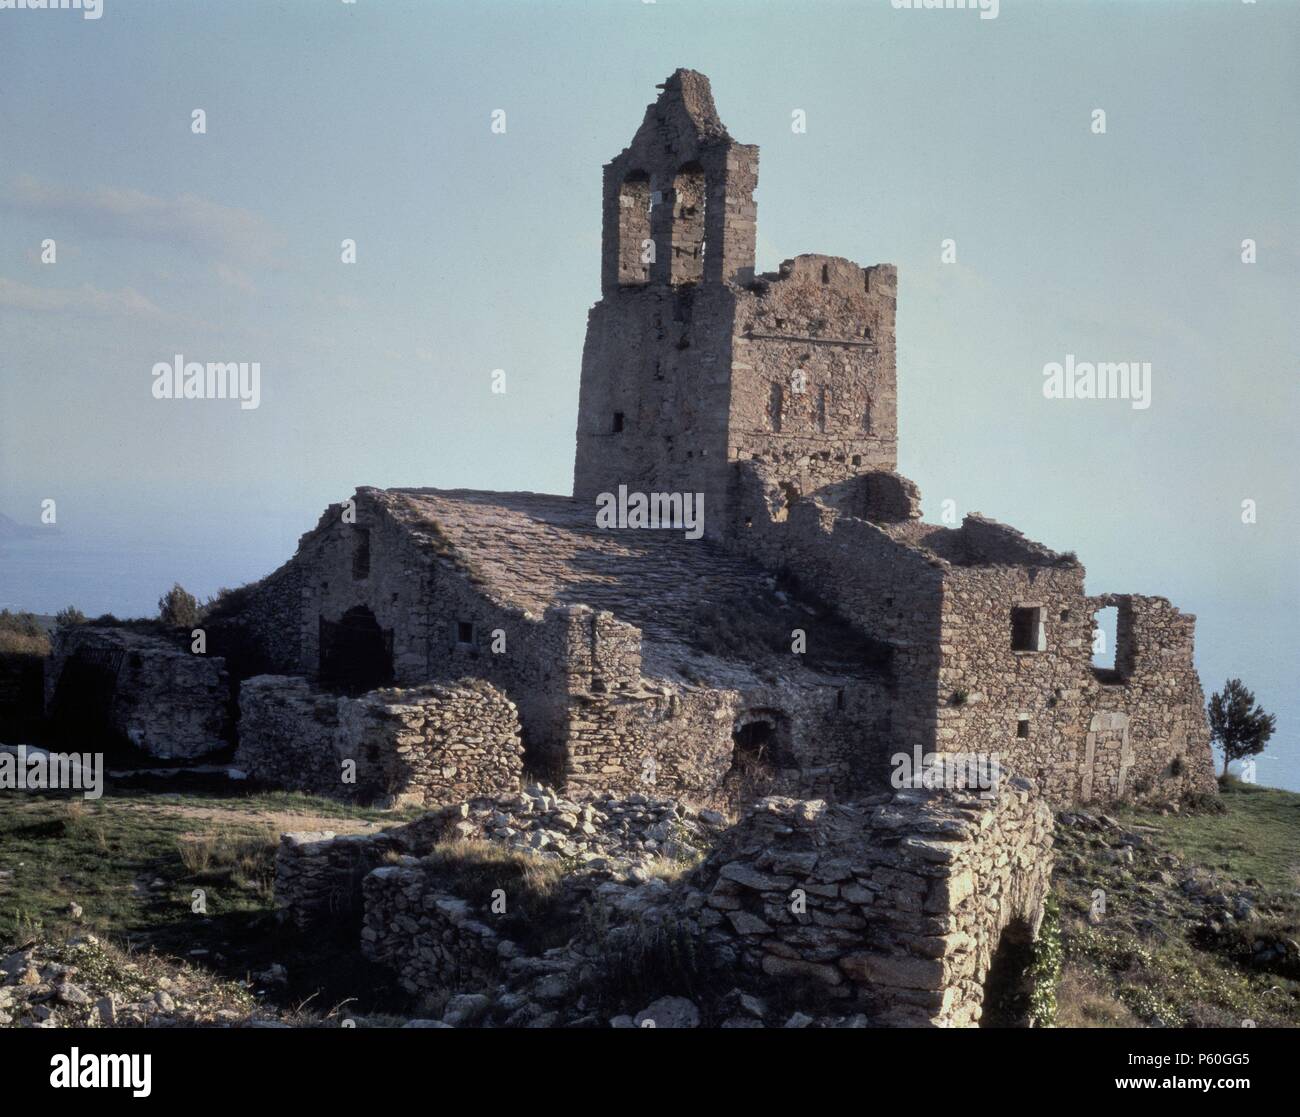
<point x="897" y="910"/>
<point x="420" y="746"/>
<point x="164" y="699"/>
<point x="288" y="735"/>
<point x="894" y="904"/>
<point x="429" y="938"/>
<point x="318" y="874"/>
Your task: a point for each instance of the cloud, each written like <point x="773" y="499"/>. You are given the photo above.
<point x="85" y="299"/>
<point x="234" y="277"/>
<point x="225" y="233"/>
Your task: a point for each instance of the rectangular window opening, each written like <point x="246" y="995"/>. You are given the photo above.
<point x="464" y="632"/>
<point x="1027" y="631"/>
<point x="618" y="422"/>
<point x="1022" y="728"/>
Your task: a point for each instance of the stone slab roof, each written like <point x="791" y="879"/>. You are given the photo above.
<point x="529" y="551"/>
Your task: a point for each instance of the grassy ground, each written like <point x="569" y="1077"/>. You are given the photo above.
<point x="138" y="863"/>
<point x="1200" y="908"/>
<point x="1257" y="837"/>
<point x="1201" y="915"/>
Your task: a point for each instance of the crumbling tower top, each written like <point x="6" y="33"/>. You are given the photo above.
<point x="678" y="203"/>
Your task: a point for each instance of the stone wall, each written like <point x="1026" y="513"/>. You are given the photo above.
<point x="1083" y="734"/>
<point x="890" y="591"/>
<point x="432" y="940"/>
<point x="289" y="736"/>
<point x="1027" y="706"/>
<point x="813" y="381"/>
<point x="896" y="905"/>
<point x="886" y="911"/>
<point x="422" y="745"/>
<point x="150" y="690"/>
<point x="1152" y="707"/>
<point x="318" y="874"/>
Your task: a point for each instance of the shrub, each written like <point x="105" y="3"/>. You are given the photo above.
<point x="1045" y="967"/>
<point x="64" y="618"/>
<point x="22" y="634"/>
<point x="179" y="607"/>
<point x="641" y="961"/>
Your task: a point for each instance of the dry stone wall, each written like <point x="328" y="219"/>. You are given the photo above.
<point x="424" y="745"/>
<point x="887" y="911"/>
<point x="898" y="905"/>
<point x="432" y="940"/>
<point x="152" y="691"/>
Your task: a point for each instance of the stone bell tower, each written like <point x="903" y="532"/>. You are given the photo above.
<point x="699" y="376"/>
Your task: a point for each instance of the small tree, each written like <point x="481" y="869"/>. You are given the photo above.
<point x="69" y="616"/>
<point x="1237" y="724"/>
<point x="179" y="607"/>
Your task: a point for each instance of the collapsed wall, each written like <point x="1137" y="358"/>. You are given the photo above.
<point x="103" y="683"/>
<point x="899" y="910"/>
<point x="418" y="746"/>
<point x="898" y="905"/>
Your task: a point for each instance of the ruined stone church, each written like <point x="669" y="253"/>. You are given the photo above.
<point x="447" y="641"/>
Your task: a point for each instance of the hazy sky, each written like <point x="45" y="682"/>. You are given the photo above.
<point x="478" y="251"/>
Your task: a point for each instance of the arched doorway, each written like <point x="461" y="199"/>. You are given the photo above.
<point x="356" y="655"/>
<point x="760" y="741"/>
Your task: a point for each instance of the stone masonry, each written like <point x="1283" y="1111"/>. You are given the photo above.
<point x="107" y="682"/>
<point x="813" y="629"/>
<point x="888" y="911"/>
<point x="897" y="905"/>
<point x="418" y="746"/>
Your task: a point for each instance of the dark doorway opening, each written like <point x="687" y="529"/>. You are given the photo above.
<point x="356" y="655"/>
<point x="81" y="710"/>
<point x="1007" y="986"/>
<point x="760" y="750"/>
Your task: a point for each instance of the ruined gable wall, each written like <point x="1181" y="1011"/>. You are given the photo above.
<point x="813" y="380"/>
<point x="1088" y="739"/>
<point x="1157" y="710"/>
<point x="396" y="586"/>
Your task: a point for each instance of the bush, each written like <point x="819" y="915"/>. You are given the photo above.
<point x="64" y="618"/>
<point x="642" y="961"/>
<point x="1045" y="969"/>
<point x="179" y="607"/>
<point x="22" y="634"/>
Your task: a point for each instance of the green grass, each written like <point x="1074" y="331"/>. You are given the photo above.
<point x="133" y="861"/>
<point x="1258" y="837"/>
<point x="1154" y="957"/>
<point x="103" y="857"/>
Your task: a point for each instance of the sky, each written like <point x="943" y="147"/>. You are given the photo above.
<point x="478" y="249"/>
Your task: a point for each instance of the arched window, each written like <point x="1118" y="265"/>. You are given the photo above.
<point x="635" y="248"/>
